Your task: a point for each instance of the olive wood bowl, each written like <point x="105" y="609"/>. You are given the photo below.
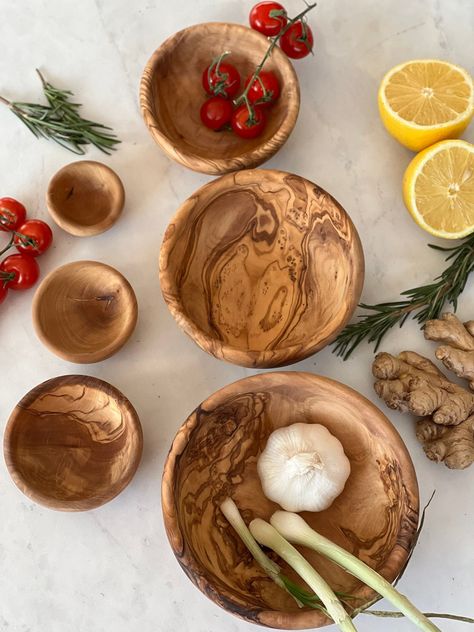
<point x="171" y="95"/>
<point x="73" y="443"/>
<point x="214" y="455"/>
<point x="84" y="311"/>
<point x="261" y="268"/>
<point x="85" y="198"/>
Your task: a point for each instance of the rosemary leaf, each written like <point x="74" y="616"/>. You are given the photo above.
<point x="61" y="122"/>
<point x="421" y="303"/>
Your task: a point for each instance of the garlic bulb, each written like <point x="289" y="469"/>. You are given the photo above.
<point x="303" y="467"/>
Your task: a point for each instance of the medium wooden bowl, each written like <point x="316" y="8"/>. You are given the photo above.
<point x="73" y="443"/>
<point x="171" y="95"/>
<point x="84" y="311"/>
<point x="214" y="455"/>
<point x="85" y="198"/>
<point x="261" y="268"/>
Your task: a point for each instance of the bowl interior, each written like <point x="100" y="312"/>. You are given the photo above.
<point x="73" y="443"/>
<point x="262" y="267"/>
<point x="85" y="194"/>
<point x="215" y="455"/>
<point x="85" y="311"/>
<point x="174" y="92"/>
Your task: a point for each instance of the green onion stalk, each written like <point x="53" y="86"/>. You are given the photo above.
<point x="268" y="536"/>
<point x="296" y="530"/>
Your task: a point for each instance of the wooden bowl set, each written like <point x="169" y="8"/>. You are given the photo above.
<point x="261" y="268"/>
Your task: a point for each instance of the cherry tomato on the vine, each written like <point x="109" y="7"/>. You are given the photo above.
<point x="221" y="79"/>
<point x="244" y="126"/>
<point x="297" y="41"/>
<point x="12" y="214"/>
<point x="3" y="292"/>
<point x="216" y="112"/>
<point x="268" y="18"/>
<point x="19" y="272"/>
<point x="34" y="237"/>
<point x="264" y="90"/>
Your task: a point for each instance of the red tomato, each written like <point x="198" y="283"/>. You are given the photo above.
<point x="3" y="292"/>
<point x="34" y="237"/>
<point x="297" y="41"/>
<point x="221" y="79"/>
<point x="268" y="18"/>
<point x="19" y="272"/>
<point x="216" y="112"/>
<point x="265" y="90"/>
<point x="12" y="214"/>
<point x="243" y="126"/>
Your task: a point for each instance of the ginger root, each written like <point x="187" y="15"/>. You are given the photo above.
<point x="452" y="444"/>
<point x="457" y="352"/>
<point x="411" y="383"/>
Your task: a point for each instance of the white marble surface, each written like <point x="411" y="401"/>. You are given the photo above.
<point x="112" y="569"/>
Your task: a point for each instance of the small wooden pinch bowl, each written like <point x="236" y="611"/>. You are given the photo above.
<point x="85" y="198"/>
<point x="214" y="455"/>
<point x="171" y="95"/>
<point x="73" y="443"/>
<point x="261" y="268"/>
<point x="84" y="311"/>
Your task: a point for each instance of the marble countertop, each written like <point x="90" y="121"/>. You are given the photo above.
<point x="112" y="568"/>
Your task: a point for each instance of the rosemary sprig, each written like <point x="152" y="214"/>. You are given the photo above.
<point x="61" y="122"/>
<point x="422" y="303"/>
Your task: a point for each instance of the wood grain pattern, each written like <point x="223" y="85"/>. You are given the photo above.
<point x="214" y="455"/>
<point x="261" y="268"/>
<point x="73" y="443"/>
<point x="84" y="311"/>
<point x="171" y="96"/>
<point x="85" y="198"/>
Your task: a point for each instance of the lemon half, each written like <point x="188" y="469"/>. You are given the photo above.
<point x="438" y="189"/>
<point x="424" y="101"/>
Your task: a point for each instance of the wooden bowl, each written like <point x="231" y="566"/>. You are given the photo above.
<point x="214" y="455"/>
<point x="73" y="443"/>
<point x="261" y="268"/>
<point x="84" y="311"/>
<point x="171" y="95"/>
<point x="85" y="198"/>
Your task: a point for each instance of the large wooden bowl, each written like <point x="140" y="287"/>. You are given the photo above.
<point x="73" y="443"/>
<point x="214" y="455"/>
<point x="261" y="268"/>
<point x="171" y="95"/>
<point x="84" y="311"/>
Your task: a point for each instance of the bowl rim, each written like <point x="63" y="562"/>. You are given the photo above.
<point x="250" y="358"/>
<point x="75" y="228"/>
<point x="272" y="618"/>
<point x="91" y="502"/>
<point x="217" y="166"/>
<point x="99" y="354"/>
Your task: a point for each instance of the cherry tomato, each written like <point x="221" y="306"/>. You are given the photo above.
<point x="265" y="90"/>
<point x="297" y="41"/>
<point x="12" y="214"/>
<point x="19" y="272"/>
<point x="243" y="126"/>
<point x="34" y="237"/>
<point x="268" y="18"/>
<point x="3" y="292"/>
<point x="221" y="79"/>
<point x="216" y="112"/>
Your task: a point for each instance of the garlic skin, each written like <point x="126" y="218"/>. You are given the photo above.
<point x="303" y="467"/>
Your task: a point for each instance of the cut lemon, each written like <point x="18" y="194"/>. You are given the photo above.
<point x="438" y="189"/>
<point x="424" y="101"/>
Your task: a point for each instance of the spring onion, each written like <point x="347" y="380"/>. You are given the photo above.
<point x="296" y="530"/>
<point x="268" y="536"/>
